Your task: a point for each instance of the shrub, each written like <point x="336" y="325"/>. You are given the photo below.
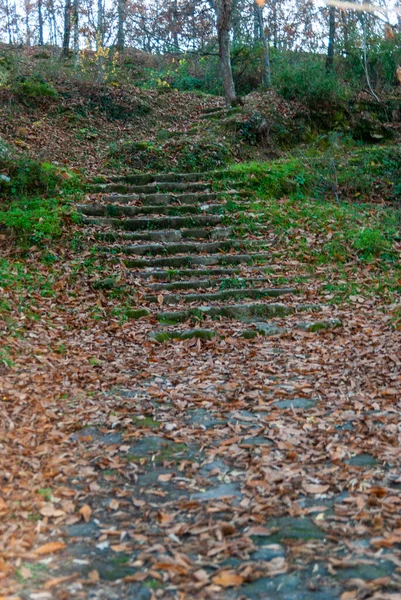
<point x="303" y="77"/>
<point x="34" y="87"/>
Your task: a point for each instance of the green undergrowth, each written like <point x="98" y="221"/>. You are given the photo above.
<point x="325" y="227"/>
<point x="35" y="197"/>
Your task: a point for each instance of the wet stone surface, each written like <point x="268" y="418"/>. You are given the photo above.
<point x="158" y="496"/>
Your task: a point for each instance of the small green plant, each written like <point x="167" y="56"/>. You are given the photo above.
<point x="34" y="87"/>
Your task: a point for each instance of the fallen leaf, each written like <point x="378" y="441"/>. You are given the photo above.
<point x="228" y="579"/>
<point x="52" y="583"/>
<point x="50" y="548"/>
<point x="86" y="512"/>
<point x="313" y="488"/>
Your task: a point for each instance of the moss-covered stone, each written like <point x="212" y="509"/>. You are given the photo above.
<point x="137" y="313"/>
<point x="164" y="336"/>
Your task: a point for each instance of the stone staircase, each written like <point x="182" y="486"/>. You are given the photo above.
<point x="180" y="239"/>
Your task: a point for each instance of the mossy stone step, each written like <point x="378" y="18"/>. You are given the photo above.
<point x="212" y="109"/>
<point x="166" y="235"/>
<point x="187" y="261"/>
<point x="150" y="188"/>
<point x="223" y="112"/>
<point x="178" y="274"/>
<point x="265" y="329"/>
<point x="160" y="199"/>
<point x="233" y="294"/>
<point x="319" y="325"/>
<point x="133" y="211"/>
<point x="146" y="178"/>
<point x="194" y="284"/>
<point x="158" y="223"/>
<point x="234" y="311"/>
<point x="172" y="248"/>
<point x="187" y="334"/>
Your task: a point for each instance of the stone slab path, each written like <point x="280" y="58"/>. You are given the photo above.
<point x="250" y="470"/>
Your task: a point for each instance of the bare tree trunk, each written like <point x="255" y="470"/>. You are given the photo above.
<point x="344" y="19"/>
<point x="75" y="18"/>
<point x="223" y="10"/>
<point x="121" y="24"/>
<point x="100" y="40"/>
<point x="67" y="27"/>
<point x="173" y="24"/>
<point x="267" y="79"/>
<point x="256" y="28"/>
<point x="53" y="22"/>
<point x="9" y="29"/>
<point x="27" y="25"/>
<point x="275" y="26"/>
<point x="40" y="21"/>
<point x="332" y="33"/>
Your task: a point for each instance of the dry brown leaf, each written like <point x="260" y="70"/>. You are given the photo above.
<point x="114" y="504"/>
<point x="52" y="583"/>
<point x="86" y="512"/>
<point x="50" y="548"/>
<point x="171" y="568"/>
<point x="165" y="477"/>
<point x="314" y="488"/>
<point x="228" y="579"/>
<point x="93" y="576"/>
<point x="49" y="510"/>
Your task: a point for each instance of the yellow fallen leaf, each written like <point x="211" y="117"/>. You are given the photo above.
<point x="50" y="548"/>
<point x="228" y="579"/>
<point x="86" y="512"/>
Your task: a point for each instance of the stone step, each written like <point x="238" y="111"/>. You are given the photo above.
<point x="187" y="334"/>
<point x="146" y="178"/>
<point x="172" y="248"/>
<point x="177" y="274"/>
<point x="223" y="112"/>
<point x="203" y="284"/>
<point x="114" y="210"/>
<point x="149" y="188"/>
<point x="164" y="235"/>
<point x="233" y="311"/>
<point x="232" y="294"/>
<point x="211" y="109"/>
<point x="157" y="223"/>
<point x="188" y="261"/>
<point x="160" y="199"/>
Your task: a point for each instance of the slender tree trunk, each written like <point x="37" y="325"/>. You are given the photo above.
<point x="174" y="25"/>
<point x="27" y="25"/>
<point x="256" y="28"/>
<point x="75" y="18"/>
<point x="53" y="22"/>
<point x="223" y="9"/>
<point x="267" y="80"/>
<point x="100" y="40"/>
<point x="67" y="27"/>
<point x="121" y="25"/>
<point x="40" y="22"/>
<point x="344" y="19"/>
<point x="275" y="26"/>
<point x="332" y="33"/>
<point x="9" y="29"/>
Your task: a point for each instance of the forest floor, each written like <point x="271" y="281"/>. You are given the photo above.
<point x="263" y="468"/>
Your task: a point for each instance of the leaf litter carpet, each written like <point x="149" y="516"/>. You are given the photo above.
<point x="264" y="468"/>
